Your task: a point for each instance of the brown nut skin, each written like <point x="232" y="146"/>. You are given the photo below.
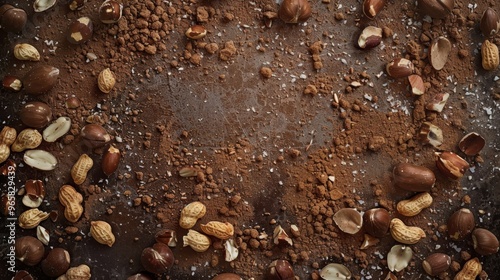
<point x="110" y="11"/>
<point x="281" y="270"/>
<point x="485" y="242"/>
<point x="80" y="31"/>
<point x="29" y="250"/>
<point x="140" y="276"/>
<point x="294" y="11"/>
<point x="490" y="23"/>
<point x="40" y="79"/>
<point x="56" y="263"/>
<point x="413" y="177"/>
<point x="23" y="275"/>
<point x="94" y="135"/>
<point x="376" y="222"/>
<point x="436" y="8"/>
<point x="35" y="114"/>
<point x="371" y="8"/>
<point x="227" y="276"/>
<point x="436" y="263"/>
<point x="460" y="224"/>
<point x="110" y="160"/>
<point x="471" y="144"/>
<point x="451" y="165"/>
<point x="12" y="19"/>
<point x="12" y="83"/>
<point x="157" y="259"/>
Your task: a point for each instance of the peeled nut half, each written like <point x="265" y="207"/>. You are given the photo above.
<point x="335" y="271"/>
<point x="43" y="5"/>
<point x="471" y="144"/>
<point x="439" y="52"/>
<point x="398" y="257"/>
<point x="349" y="220"/>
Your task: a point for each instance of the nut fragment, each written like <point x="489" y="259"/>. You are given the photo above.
<point x="76" y="4"/>
<point x="369" y="241"/>
<point x="376" y="222"/>
<point x="80" y="31"/>
<point x="110" y="160"/>
<point x="110" y="11"/>
<point x="460" y="224"/>
<point x="40" y="79"/>
<point x="106" y="80"/>
<point x="221" y="230"/>
<point x="490" y="22"/>
<point x="101" y="231"/>
<point x="431" y="134"/>
<point x="12" y="83"/>
<point x="81" y="168"/>
<point x="471" y="144"/>
<point x="191" y="213"/>
<point x="227" y="276"/>
<point x="40" y="159"/>
<point x="472" y="268"/>
<point x="34" y="193"/>
<point x="43" y="5"/>
<point x="35" y="114"/>
<point x="43" y="235"/>
<point x="370" y="37"/>
<point x="29" y="250"/>
<point x="281" y="269"/>
<point x="57" y="129"/>
<point x="490" y="55"/>
<point x="157" y="259"/>
<point x="196" y="32"/>
<point x="437" y="103"/>
<point x="4" y="152"/>
<point x="439" y="52"/>
<point x="81" y="272"/>
<point x="294" y="11"/>
<point x="411" y="207"/>
<point x="32" y="218"/>
<point x="400" y="68"/>
<point x="451" y="165"/>
<point x="166" y="236"/>
<point x="349" y="220"/>
<point x="436" y="263"/>
<point x="197" y="241"/>
<point x="398" y="257"/>
<point x="371" y="8"/>
<point x="436" y="8"/>
<point x="27" y="139"/>
<point x="281" y="237"/>
<point x="413" y="177"/>
<point x="72" y="202"/>
<point x="417" y="84"/>
<point x="335" y="271"/>
<point x="26" y="51"/>
<point x="94" y="135"/>
<point x="485" y="242"/>
<point x="405" y="234"/>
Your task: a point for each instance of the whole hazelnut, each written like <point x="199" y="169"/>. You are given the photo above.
<point x="294" y="11"/>
<point x="56" y="263"/>
<point x="371" y="8"/>
<point x="485" y="242"/>
<point x="110" y="11"/>
<point x="29" y="250"/>
<point x="461" y="224"/>
<point x="35" y="114"/>
<point x="370" y="37"/>
<point x="12" y="19"/>
<point x="400" y="68"/>
<point x="40" y="79"/>
<point x="281" y="270"/>
<point x="196" y="32"/>
<point x="140" y="276"/>
<point x="436" y="8"/>
<point x="227" y="276"/>
<point x="166" y="236"/>
<point x="436" y="264"/>
<point x="412" y="177"/>
<point x="94" y="135"/>
<point x="157" y="259"/>
<point x="490" y="23"/>
<point x="376" y="222"/>
<point x="451" y="165"/>
<point x="80" y="31"/>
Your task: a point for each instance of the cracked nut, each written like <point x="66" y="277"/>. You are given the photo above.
<point x="370" y="37"/>
<point x="227" y="276"/>
<point x="43" y="5"/>
<point x="376" y="222"/>
<point x="411" y="207"/>
<point x="56" y="129"/>
<point x="75" y="5"/>
<point x="451" y="165"/>
<point x="40" y="159"/>
<point x="29" y="250"/>
<point x="431" y="134"/>
<point x="35" y="114"/>
<point x="106" y="80"/>
<point x="436" y="264"/>
<point x="4" y="152"/>
<point x="12" y="19"/>
<point x="110" y="11"/>
<point x="349" y="220"/>
<point x="471" y="144"/>
<point x="460" y="224"/>
<point x="8" y="135"/>
<point x="490" y="22"/>
<point x="413" y="177"/>
<point x="294" y="11"/>
<point x="417" y="84"/>
<point x="334" y="271"/>
<point x="231" y="250"/>
<point x="191" y="213"/>
<point x="12" y="83"/>
<point x="490" y="56"/>
<point x="43" y="235"/>
<point x="27" y="139"/>
<point x="157" y="259"/>
<point x="94" y="135"/>
<point x="400" y="68"/>
<point x="485" y="242"/>
<point x="32" y="218"/>
<point x="398" y="257"/>
<point x="26" y="51"/>
<point x="281" y="237"/>
<point x="110" y="160"/>
<point x="197" y="241"/>
<point x="281" y="269"/>
<point x="405" y="234"/>
<point x="56" y="263"/>
<point x="72" y="202"/>
<point x="166" y="236"/>
<point x="80" y="31"/>
<point x="81" y="168"/>
<point x="471" y="269"/>
<point x="371" y="8"/>
<point x="196" y="32"/>
<point x="40" y="79"/>
<point x="81" y="272"/>
<point x="437" y="102"/>
<point x="221" y="230"/>
<point x="34" y="193"/>
<point x="436" y="8"/>
<point x="101" y="231"/>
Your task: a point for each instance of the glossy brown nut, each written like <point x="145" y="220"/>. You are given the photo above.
<point x="12" y="83"/>
<point x="413" y="177"/>
<point x="94" y="135"/>
<point x="370" y="37"/>
<point x="76" y="4"/>
<point x="294" y="11"/>
<point x="439" y="51"/>
<point x="451" y="165"/>
<point x="490" y="23"/>
<point x="436" y="8"/>
<point x="460" y="224"/>
<point x="436" y="264"/>
<point x="110" y="160"/>
<point x="157" y="259"/>
<point x="471" y="144"/>
<point x="29" y="250"/>
<point x="110" y="11"/>
<point x="227" y="276"/>
<point x="12" y="19"/>
<point x="140" y="276"/>
<point x="40" y="79"/>
<point x="400" y="68"/>
<point x="35" y="114"/>
<point x="376" y="222"/>
<point x="167" y="237"/>
<point x="80" y="31"/>
<point x="485" y="242"/>
<point x="371" y="8"/>
<point x="56" y="263"/>
<point x="73" y="102"/>
<point x="281" y="270"/>
<point x="23" y="275"/>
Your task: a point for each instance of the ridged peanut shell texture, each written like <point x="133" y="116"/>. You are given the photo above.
<point x="72" y="202"/>
<point x="81" y="168"/>
<point x="191" y="213"/>
<point x="101" y="231"/>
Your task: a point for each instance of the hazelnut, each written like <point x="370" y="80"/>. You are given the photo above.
<point x="196" y="32"/>
<point x="157" y="259"/>
<point x="439" y="52"/>
<point x="471" y="144"/>
<point x="56" y="263"/>
<point x="436" y="264"/>
<point x="490" y="23"/>
<point x="461" y="224"/>
<point x="435" y="8"/>
<point x="413" y="177"/>
<point x="431" y="134"/>
<point x="349" y="220"/>
<point x="110" y="11"/>
<point x="23" y="275"/>
<point x="370" y="37"/>
<point x="400" y="68"/>
<point x="335" y="271"/>
<point x="294" y="11"/>
<point x="12" y="19"/>
<point x="376" y="222"/>
<point x="43" y="5"/>
<point x="34" y="193"/>
<point x="437" y="102"/>
<point x="80" y="31"/>
<point x="29" y="250"/>
<point x="166" y="236"/>
<point x="40" y="79"/>
<point x="485" y="242"/>
<point x="110" y="160"/>
<point x="76" y="4"/>
<point x="417" y="84"/>
<point x="73" y="102"/>
<point x="35" y="114"/>
<point x="451" y="165"/>
<point x="281" y="270"/>
<point x="371" y="8"/>
<point x="94" y="135"/>
<point x="227" y="276"/>
<point x="12" y="83"/>
<point x="140" y="276"/>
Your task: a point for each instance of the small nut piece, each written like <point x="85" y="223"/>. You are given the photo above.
<point x="157" y="259"/>
<point x="81" y="272"/>
<point x="411" y="207"/>
<point x="29" y="250"/>
<point x="451" y="165"/>
<point x="43" y="5"/>
<point x="376" y="222"/>
<point x="40" y="159"/>
<point x="32" y="218"/>
<point x="40" y="79"/>
<point x="485" y="242"/>
<point x="437" y="102"/>
<point x="490" y="55"/>
<point x="106" y="80"/>
<point x="34" y="193"/>
<point x="472" y="268"/>
<point x="413" y="177"/>
<point x="281" y="237"/>
<point x="490" y="22"/>
<point x="110" y="160"/>
<point x="35" y="114"/>
<point x="471" y="144"/>
<point x="333" y="271"/>
<point x="460" y="224"/>
<point x="197" y="241"/>
<point x="281" y="269"/>
<point x="221" y="230"/>
<point x="76" y="4"/>
<point x="400" y="68"/>
<point x="43" y="235"/>
<point x="196" y="32"/>
<point x="81" y="168"/>
<point x="26" y="52"/>
<point x="110" y="11"/>
<point x="405" y="234"/>
<point x="12" y="83"/>
<point x="12" y="19"/>
<point x="431" y="134"/>
<point x="57" y="129"/>
<point x="294" y="11"/>
<point x="436" y="264"/>
<point x="439" y="52"/>
<point x="370" y="37"/>
<point x="102" y="232"/>
<point x="398" y="257"/>
<point x="349" y="220"/>
<point x="72" y="202"/>
<point x="371" y="8"/>
<point x="191" y="213"/>
<point x="80" y="31"/>
<point x="27" y="139"/>
<point x="417" y="84"/>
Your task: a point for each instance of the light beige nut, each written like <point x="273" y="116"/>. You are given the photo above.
<point x="26" y="52"/>
<point x="191" y="213"/>
<point x="72" y="202"/>
<point x="57" y="129"/>
<point x="32" y="218"/>
<point x="411" y="207"/>
<point x="8" y="135"/>
<point x="4" y="152"/>
<point x="490" y="55"/>
<point x="29" y="138"/>
<point x="81" y="272"/>
<point x="197" y="241"/>
<point x="472" y="268"/>
<point x="102" y="232"/>
<point x="405" y="234"/>
<point x="106" y="80"/>
<point x="221" y="230"/>
<point x="81" y="168"/>
<point x="40" y="159"/>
